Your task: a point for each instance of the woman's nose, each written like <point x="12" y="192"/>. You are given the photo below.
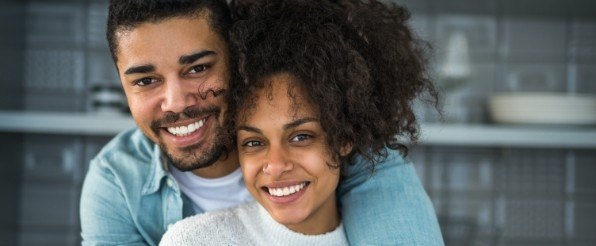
<point x="277" y="162"/>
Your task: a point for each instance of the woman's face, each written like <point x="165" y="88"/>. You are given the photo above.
<point x="284" y="157"/>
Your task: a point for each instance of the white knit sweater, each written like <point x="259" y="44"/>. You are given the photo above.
<point x="247" y="224"/>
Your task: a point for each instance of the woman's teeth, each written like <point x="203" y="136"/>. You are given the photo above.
<point x="284" y="191"/>
<point x="186" y="130"/>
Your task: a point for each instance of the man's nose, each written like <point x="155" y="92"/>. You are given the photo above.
<point x="179" y="95"/>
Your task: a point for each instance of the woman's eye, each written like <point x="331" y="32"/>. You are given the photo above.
<point x="252" y="143"/>
<point x="300" y="137"/>
<point x="145" y="81"/>
<point x="197" y="69"/>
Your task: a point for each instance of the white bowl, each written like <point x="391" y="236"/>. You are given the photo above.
<point x="543" y="108"/>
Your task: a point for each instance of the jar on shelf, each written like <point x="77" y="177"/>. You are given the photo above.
<point x="108" y="98"/>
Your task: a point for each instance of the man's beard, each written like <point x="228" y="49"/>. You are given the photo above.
<point x="191" y="158"/>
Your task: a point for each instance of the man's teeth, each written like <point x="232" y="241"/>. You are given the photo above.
<point x="286" y="190"/>
<point x="186" y="130"/>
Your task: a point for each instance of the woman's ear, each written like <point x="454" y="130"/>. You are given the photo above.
<point x="346" y="149"/>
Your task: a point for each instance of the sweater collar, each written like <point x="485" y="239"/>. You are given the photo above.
<point x="284" y="235"/>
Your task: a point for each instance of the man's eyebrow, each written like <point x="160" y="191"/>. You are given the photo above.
<point x="298" y="122"/>
<point x="140" y="69"/>
<point x="188" y="59"/>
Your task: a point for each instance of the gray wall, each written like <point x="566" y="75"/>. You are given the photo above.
<point x="12" y="32"/>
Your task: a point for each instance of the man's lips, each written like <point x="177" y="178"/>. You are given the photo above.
<point x="186" y="118"/>
<point x="182" y="130"/>
<point x="186" y="133"/>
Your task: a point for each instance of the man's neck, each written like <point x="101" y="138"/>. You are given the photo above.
<point x="222" y="167"/>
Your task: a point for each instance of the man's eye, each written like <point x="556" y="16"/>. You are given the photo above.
<point x="197" y="69"/>
<point x="300" y="137"/>
<point x="252" y="143"/>
<point x="145" y="81"/>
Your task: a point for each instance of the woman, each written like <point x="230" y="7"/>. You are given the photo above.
<point x="318" y="83"/>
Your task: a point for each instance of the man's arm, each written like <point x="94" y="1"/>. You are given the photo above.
<point x="105" y="217"/>
<point x="390" y="207"/>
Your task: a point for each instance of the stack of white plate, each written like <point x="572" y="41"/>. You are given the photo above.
<point x="543" y="108"/>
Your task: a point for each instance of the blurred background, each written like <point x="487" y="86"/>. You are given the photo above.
<point x="511" y="162"/>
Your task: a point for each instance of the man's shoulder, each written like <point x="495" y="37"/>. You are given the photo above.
<point x="390" y="158"/>
<point x="111" y="198"/>
<point x="127" y="153"/>
<point x="130" y="141"/>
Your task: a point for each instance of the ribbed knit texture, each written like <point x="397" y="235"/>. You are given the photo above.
<point x="247" y="224"/>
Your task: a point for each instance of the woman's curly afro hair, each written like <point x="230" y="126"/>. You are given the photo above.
<point x="359" y="62"/>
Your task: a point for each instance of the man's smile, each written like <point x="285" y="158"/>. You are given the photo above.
<point x="181" y="131"/>
<point x="188" y="132"/>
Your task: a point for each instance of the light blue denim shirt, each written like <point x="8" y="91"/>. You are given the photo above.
<point x="130" y="198"/>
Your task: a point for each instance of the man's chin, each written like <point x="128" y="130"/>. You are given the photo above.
<point x="193" y="157"/>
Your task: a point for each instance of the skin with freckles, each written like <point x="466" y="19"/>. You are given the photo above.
<point x="162" y="65"/>
<point x="280" y="145"/>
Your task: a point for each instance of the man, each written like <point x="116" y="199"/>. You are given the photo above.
<point x="173" y="62"/>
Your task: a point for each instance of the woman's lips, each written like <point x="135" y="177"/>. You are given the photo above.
<point x="285" y="194"/>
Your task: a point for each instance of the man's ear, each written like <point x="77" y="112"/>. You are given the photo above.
<point x="346" y="149"/>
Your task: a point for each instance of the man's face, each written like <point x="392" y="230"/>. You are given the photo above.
<point x="174" y="74"/>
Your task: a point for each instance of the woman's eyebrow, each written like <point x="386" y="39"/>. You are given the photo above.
<point x="298" y="122"/>
<point x="249" y="129"/>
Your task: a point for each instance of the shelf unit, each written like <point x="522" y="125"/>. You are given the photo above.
<point x="104" y="124"/>
<point x="565" y="137"/>
<point x="98" y="124"/>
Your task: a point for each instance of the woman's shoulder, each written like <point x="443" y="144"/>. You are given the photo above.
<point x="222" y="226"/>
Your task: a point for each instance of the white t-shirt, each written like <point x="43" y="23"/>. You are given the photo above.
<point x="212" y="194"/>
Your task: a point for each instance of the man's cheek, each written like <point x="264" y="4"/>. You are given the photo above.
<point x="214" y="88"/>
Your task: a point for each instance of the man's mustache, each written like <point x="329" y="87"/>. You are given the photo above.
<point x="191" y="113"/>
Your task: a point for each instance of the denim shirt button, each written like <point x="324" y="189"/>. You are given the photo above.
<point x="170" y="184"/>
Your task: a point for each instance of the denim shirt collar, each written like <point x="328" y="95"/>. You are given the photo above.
<point x="159" y="170"/>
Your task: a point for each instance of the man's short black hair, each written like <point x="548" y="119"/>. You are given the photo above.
<point x="127" y="14"/>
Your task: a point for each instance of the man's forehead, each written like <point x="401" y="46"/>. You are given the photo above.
<point x="169" y="39"/>
<point x="198" y="16"/>
<point x="196" y="26"/>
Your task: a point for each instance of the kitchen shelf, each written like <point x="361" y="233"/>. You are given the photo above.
<point x="509" y="136"/>
<point x="100" y="124"/>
